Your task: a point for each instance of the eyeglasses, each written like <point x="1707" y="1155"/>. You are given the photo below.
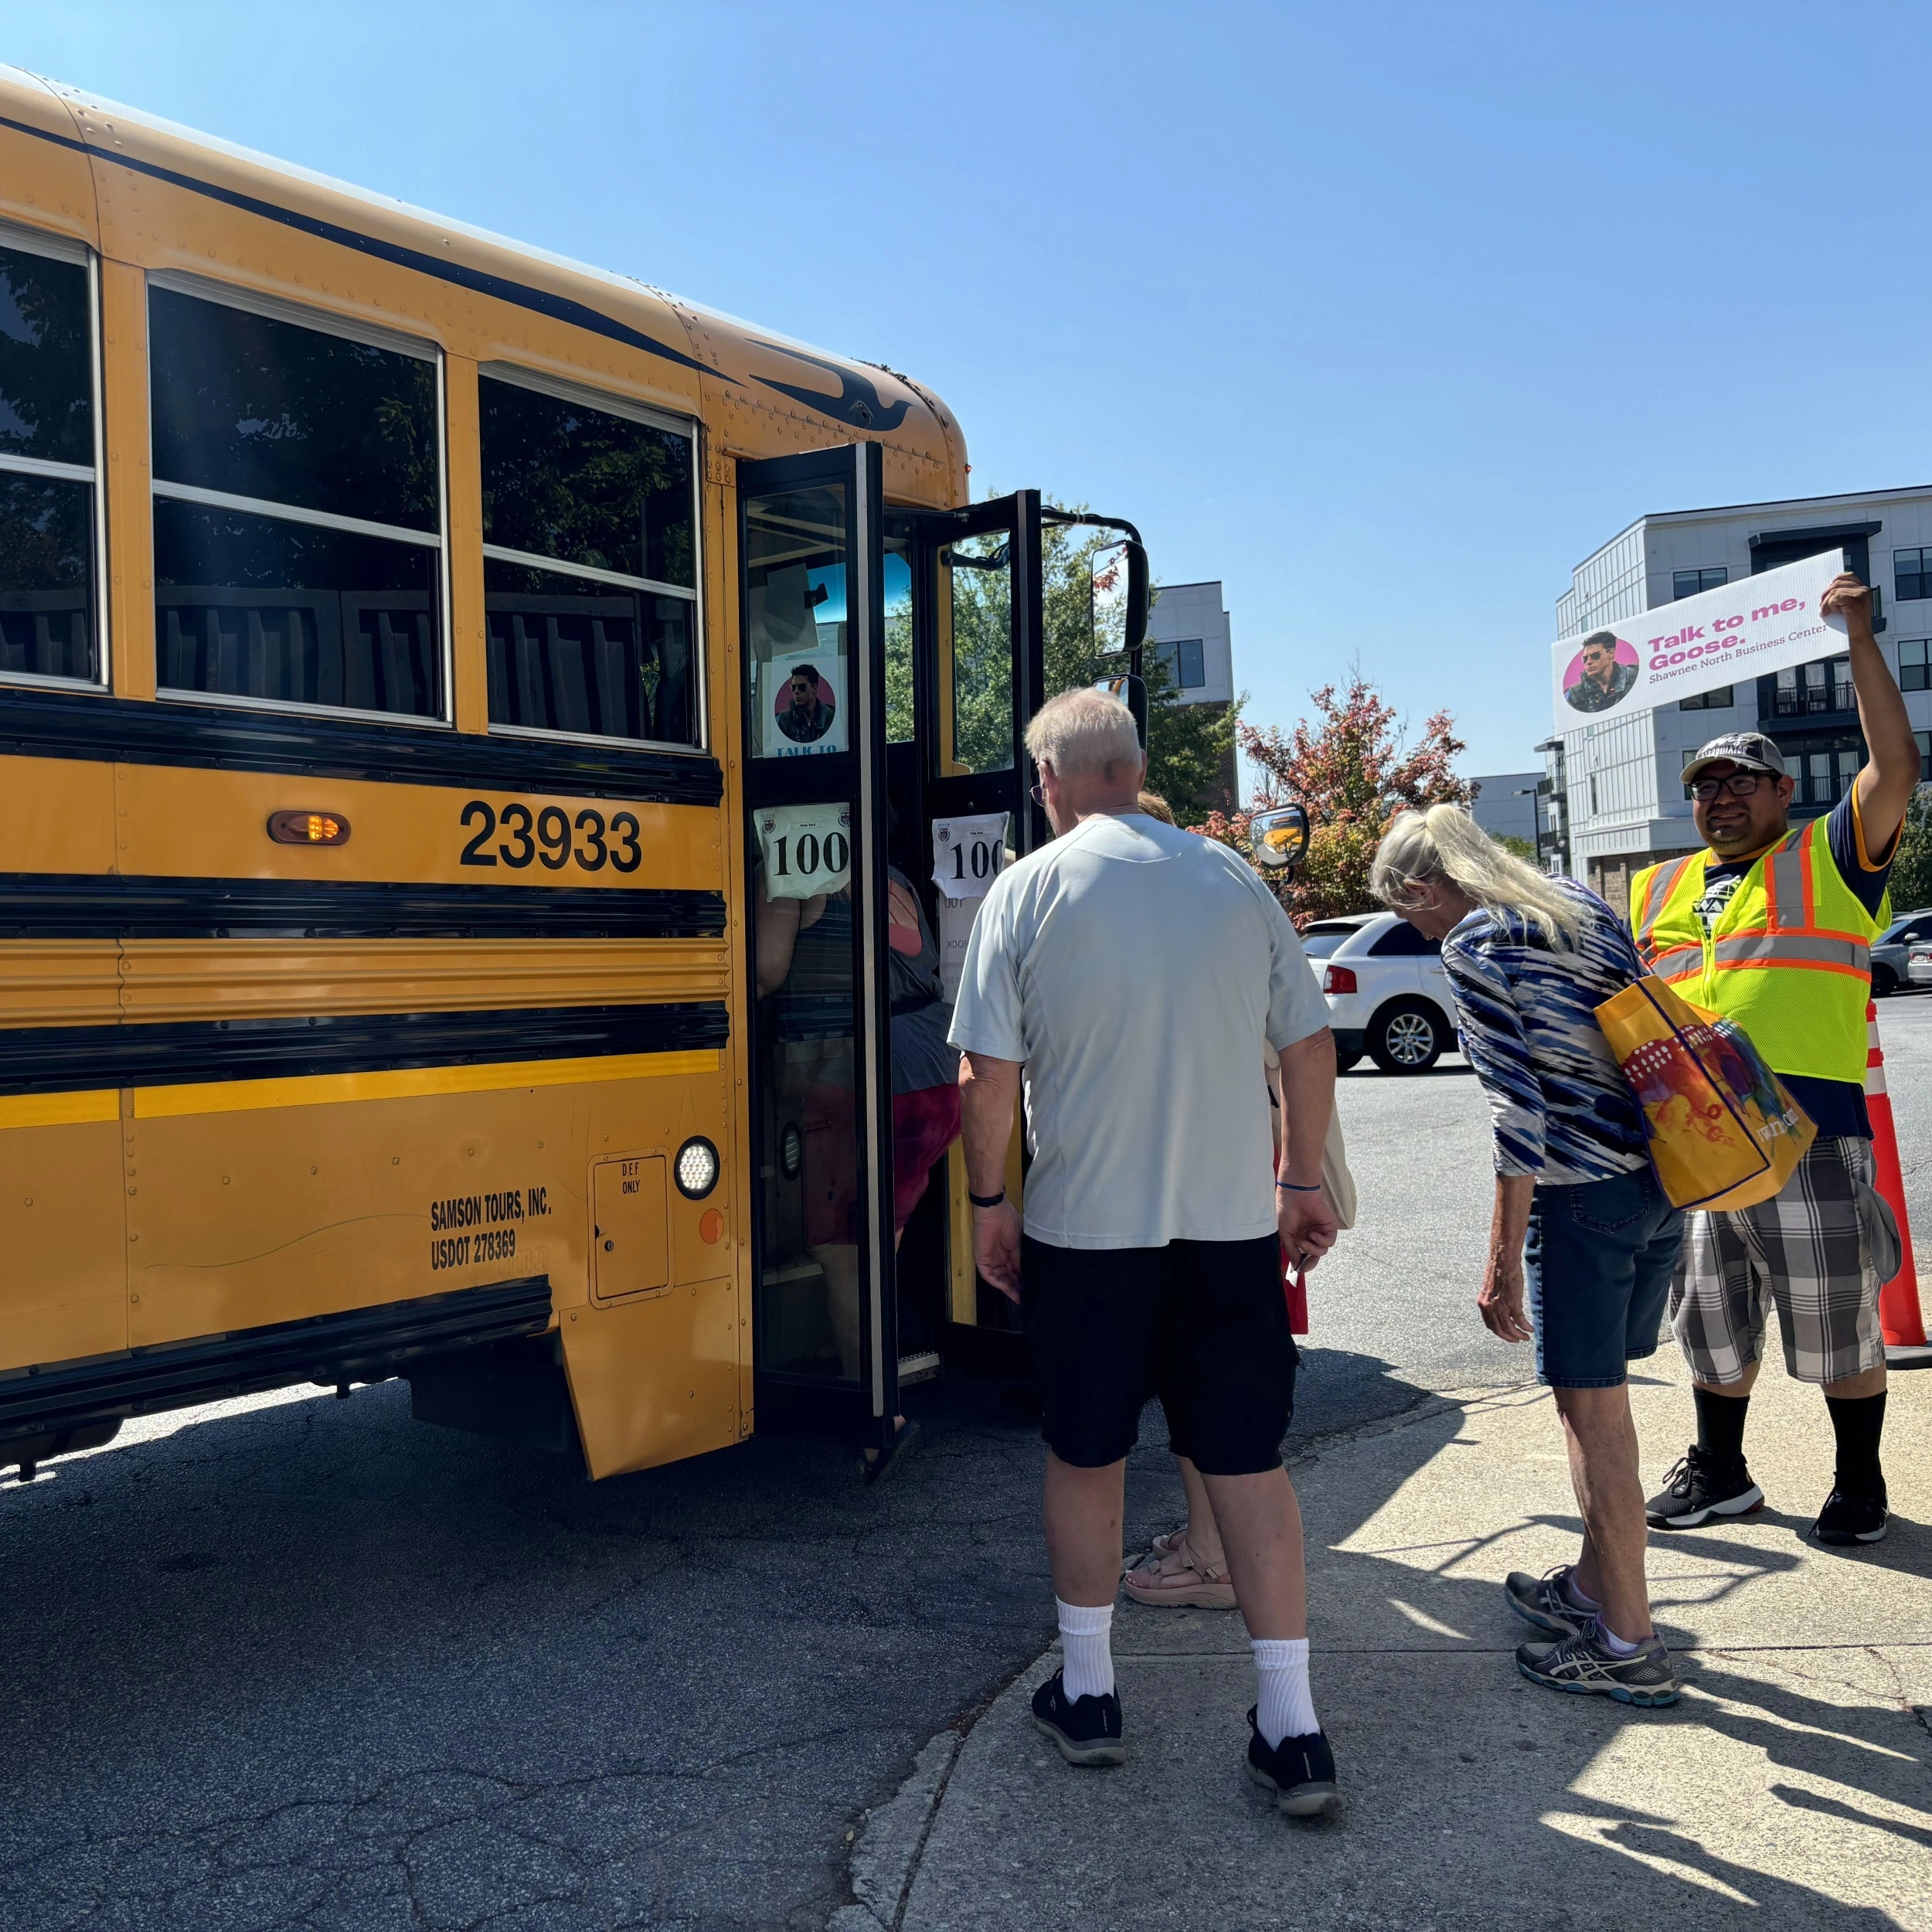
<point x="1037" y="793"/>
<point x="1739" y="785"/>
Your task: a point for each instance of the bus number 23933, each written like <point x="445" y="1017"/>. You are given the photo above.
<point x="550" y="837"/>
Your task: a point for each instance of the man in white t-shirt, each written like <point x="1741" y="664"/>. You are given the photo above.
<point x="1131" y="973"/>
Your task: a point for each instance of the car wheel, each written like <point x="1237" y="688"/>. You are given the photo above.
<point x="1884" y="980"/>
<point x="1407" y="1036"/>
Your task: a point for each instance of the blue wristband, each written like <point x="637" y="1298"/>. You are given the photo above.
<point x="1296" y="1187"/>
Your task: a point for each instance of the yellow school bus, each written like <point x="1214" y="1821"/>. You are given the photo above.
<point x="430" y="671"/>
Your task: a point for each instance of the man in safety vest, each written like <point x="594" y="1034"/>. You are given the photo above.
<point x="1772" y="926"/>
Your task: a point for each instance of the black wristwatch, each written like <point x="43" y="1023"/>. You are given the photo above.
<point x="986" y="1200"/>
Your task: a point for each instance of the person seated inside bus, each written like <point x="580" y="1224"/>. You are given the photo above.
<point x="805" y="963"/>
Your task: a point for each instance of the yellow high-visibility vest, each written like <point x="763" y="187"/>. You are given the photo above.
<point x="1790" y="958"/>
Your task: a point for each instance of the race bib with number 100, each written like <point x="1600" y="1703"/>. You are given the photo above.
<point x="968" y="854"/>
<point x="807" y="849"/>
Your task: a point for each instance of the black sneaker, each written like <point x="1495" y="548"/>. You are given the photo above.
<point x="1085" y="1729"/>
<point x="1299" y="1771"/>
<point x="1585" y="1664"/>
<point x="1699" y="1487"/>
<point x="1542" y="1601"/>
<point x="1851" y="1519"/>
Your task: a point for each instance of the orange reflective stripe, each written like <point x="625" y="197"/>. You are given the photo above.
<point x="1663" y="882"/>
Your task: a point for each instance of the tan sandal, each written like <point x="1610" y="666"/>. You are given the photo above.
<point x="1177" y="1580"/>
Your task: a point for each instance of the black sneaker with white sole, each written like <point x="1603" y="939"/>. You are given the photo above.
<point x="1586" y="1665"/>
<point x="1299" y="1771"/>
<point x="1085" y="1730"/>
<point x="1543" y="1601"/>
<point x="1850" y="1520"/>
<point x="1699" y="1487"/>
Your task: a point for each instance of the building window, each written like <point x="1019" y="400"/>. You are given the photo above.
<point x="590" y="567"/>
<point x="1593" y="806"/>
<point x="298" y="510"/>
<point x="1824" y="685"/>
<point x="1912" y="574"/>
<point x="50" y="546"/>
<point x="1913" y="656"/>
<point x="1689" y="583"/>
<point x="1718" y="700"/>
<point x="1925" y="757"/>
<point x="1185" y="662"/>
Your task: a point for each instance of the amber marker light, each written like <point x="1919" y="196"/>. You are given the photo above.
<point x="308" y="828"/>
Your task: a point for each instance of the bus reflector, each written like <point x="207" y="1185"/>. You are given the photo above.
<point x="308" y="828"/>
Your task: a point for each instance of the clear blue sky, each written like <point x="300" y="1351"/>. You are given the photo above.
<point x="1385" y="316"/>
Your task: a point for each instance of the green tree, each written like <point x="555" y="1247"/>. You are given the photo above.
<point x="1522" y="848"/>
<point x="1351" y="769"/>
<point x="1912" y="870"/>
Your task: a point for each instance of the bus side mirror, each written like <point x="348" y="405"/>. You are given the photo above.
<point x="1132" y="692"/>
<point x="1279" y="838"/>
<point x="1136" y="626"/>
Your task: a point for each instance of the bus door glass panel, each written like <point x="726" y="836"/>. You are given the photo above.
<point x="813" y="799"/>
<point x="978" y="574"/>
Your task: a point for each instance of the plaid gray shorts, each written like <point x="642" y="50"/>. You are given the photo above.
<point x="1806" y="1248"/>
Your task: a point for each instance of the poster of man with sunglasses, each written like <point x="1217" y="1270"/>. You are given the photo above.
<point x="1729" y="635"/>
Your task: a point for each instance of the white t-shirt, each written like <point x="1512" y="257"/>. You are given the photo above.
<point x="1136" y="969"/>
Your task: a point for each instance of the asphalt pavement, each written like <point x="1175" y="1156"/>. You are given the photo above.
<point x="298" y="1661"/>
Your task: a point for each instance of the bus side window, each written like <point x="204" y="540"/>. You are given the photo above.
<point x="298" y="510"/>
<point x="50" y="610"/>
<point x="590" y="567"/>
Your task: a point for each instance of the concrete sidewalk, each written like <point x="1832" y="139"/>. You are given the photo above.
<point x="1790" y="1787"/>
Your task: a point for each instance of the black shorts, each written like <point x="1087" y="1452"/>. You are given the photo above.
<point x="1203" y="1324"/>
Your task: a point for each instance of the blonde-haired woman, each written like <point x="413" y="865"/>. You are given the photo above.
<point x="1578" y="1211"/>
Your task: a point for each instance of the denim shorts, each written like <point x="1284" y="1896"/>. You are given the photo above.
<point x="1599" y="1260"/>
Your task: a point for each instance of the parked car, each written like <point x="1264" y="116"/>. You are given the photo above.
<point x="1918" y="963"/>
<point x="1889" y="949"/>
<point x="1388" y="995"/>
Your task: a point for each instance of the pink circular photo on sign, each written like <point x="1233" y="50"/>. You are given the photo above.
<point x="804" y="704"/>
<point x="1601" y="674"/>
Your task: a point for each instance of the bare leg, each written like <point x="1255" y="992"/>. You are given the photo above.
<point x="1260" y="1523"/>
<point x="840" y="1262"/>
<point x="1203" y="1532"/>
<point x="1601" y="1438"/>
<point x="1083" y="1508"/>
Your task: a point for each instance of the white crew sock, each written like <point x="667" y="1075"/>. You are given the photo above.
<point x="1086" y="1638"/>
<point x="1284" y="1708"/>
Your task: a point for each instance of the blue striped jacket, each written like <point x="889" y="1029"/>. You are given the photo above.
<point x="1558" y="1102"/>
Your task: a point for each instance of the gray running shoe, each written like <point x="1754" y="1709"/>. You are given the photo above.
<point x="1541" y="1601"/>
<point x="1585" y="1664"/>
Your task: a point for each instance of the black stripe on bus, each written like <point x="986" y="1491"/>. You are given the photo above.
<point x="51" y="724"/>
<point x="357" y="1345"/>
<point x="541" y="301"/>
<point x="109" y="905"/>
<point x="54" y="1059"/>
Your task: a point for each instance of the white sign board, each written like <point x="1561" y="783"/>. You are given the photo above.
<point x="807" y="849"/>
<point x="1730" y="635"/>
<point x="967" y="854"/>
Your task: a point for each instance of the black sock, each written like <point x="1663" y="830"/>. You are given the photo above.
<point x="1858" y="1422"/>
<point x="1720" y="1425"/>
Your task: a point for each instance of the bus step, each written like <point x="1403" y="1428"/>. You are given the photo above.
<point x="918" y="1368"/>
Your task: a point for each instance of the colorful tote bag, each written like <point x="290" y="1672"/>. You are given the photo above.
<point x="1724" y="1130"/>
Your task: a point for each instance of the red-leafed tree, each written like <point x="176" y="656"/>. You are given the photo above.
<point x="1349" y="766"/>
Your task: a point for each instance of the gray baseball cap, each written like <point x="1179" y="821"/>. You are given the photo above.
<point x="1749" y="750"/>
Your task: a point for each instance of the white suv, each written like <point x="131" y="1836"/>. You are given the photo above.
<point x="1388" y="995"/>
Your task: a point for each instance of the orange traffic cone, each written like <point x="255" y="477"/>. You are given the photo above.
<point x="1899" y="1315"/>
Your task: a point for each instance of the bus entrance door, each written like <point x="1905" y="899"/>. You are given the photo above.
<point x="964" y="672"/>
<point x="825" y="1346"/>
